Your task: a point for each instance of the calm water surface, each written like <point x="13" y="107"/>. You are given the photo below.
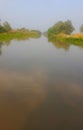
<point x="41" y="86"/>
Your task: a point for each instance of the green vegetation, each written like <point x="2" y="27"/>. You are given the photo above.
<point x="60" y="35"/>
<point x="64" y="41"/>
<point x="5" y="27"/>
<point x="17" y="35"/>
<point x="61" y="27"/>
<point x="7" y="33"/>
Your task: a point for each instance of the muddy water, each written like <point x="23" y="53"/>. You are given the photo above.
<point x="41" y="86"/>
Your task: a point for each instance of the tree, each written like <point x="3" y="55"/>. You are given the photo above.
<point x="68" y="27"/>
<point x="81" y="29"/>
<point x="2" y="29"/>
<point x="7" y="26"/>
<point x="62" y="27"/>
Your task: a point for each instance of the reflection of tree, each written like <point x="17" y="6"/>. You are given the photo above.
<point x="2" y="44"/>
<point x="59" y="44"/>
<point x="65" y="43"/>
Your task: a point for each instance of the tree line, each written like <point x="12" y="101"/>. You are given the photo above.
<point x="60" y="27"/>
<point x="63" y="27"/>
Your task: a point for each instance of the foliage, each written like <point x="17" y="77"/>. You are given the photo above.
<point x="61" y="27"/>
<point x="7" y="33"/>
<point x="2" y="29"/>
<point x="23" y="30"/>
<point x="64" y="41"/>
<point x="7" y="26"/>
<point x="18" y="35"/>
<point x="36" y="32"/>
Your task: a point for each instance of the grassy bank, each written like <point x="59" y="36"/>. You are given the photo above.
<point x="18" y="35"/>
<point x="73" y="39"/>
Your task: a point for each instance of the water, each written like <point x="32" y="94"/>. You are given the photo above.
<point x="41" y="86"/>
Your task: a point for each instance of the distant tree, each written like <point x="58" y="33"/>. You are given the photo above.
<point x="68" y="27"/>
<point x="62" y="27"/>
<point x="2" y="29"/>
<point x="81" y="29"/>
<point x="23" y="29"/>
<point x="7" y="26"/>
<point x="36" y="31"/>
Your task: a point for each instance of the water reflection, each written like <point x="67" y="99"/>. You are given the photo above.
<point x="58" y="44"/>
<point x="41" y="87"/>
<point x="7" y="41"/>
<point x="35" y="101"/>
<point x="64" y="45"/>
<point x="3" y="44"/>
<point x="20" y="95"/>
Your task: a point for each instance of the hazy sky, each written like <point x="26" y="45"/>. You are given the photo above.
<point x="40" y="14"/>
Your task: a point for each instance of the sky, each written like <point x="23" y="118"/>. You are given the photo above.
<point x="41" y="14"/>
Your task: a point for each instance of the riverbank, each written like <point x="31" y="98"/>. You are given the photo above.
<point x="75" y="39"/>
<point x="18" y="35"/>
